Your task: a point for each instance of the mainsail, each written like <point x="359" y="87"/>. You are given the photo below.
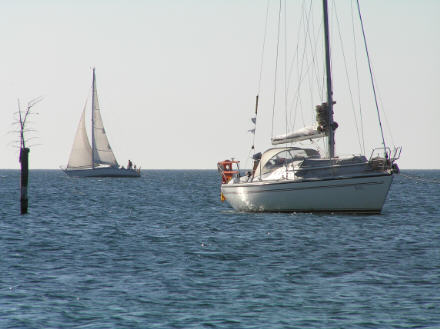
<point x="81" y="154"/>
<point x="299" y="135"/>
<point x="103" y="153"/>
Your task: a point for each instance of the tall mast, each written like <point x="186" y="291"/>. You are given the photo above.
<point x="331" y="132"/>
<point x="93" y="119"/>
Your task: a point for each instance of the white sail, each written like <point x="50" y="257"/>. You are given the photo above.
<point x="97" y="159"/>
<point x="299" y="135"/>
<point x="81" y="154"/>
<point x="103" y="153"/>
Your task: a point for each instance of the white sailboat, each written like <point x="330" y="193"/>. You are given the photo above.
<point x="298" y="179"/>
<point x="96" y="160"/>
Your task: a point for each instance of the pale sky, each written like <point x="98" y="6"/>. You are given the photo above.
<point x="177" y="79"/>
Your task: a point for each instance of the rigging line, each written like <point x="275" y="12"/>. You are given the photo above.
<point x="315" y="70"/>
<point x="297" y="96"/>
<point x="310" y="43"/>
<point x="385" y="114"/>
<point x="323" y="83"/>
<point x="299" y="28"/>
<point x="311" y="94"/>
<point x="285" y="66"/>
<point x="313" y="47"/>
<point x="276" y="66"/>
<point x="387" y="123"/>
<point x="358" y="79"/>
<point x="307" y="44"/>
<point x="285" y="78"/>
<point x="319" y="42"/>
<point x="303" y="59"/>
<point x="347" y="75"/>
<point x="372" y="79"/>
<point x="247" y="158"/>
<point x="300" y="68"/>
<point x="261" y="73"/>
<point x="264" y="46"/>
<point x="295" y="55"/>
<point x="294" y="60"/>
<point x="320" y="63"/>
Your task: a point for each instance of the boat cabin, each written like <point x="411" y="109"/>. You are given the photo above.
<point x="306" y="163"/>
<point x="281" y="157"/>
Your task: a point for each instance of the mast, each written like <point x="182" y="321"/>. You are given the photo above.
<point x="331" y="132"/>
<point x="93" y="119"/>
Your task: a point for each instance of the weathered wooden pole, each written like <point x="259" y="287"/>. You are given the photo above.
<point x="24" y="155"/>
<point x="24" y="161"/>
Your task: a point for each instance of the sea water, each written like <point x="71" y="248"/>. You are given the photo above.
<point x="162" y="251"/>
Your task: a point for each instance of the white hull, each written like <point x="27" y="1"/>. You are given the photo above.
<point x="365" y="194"/>
<point x="102" y="172"/>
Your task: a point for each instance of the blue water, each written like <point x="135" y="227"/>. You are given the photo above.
<point x="162" y="251"/>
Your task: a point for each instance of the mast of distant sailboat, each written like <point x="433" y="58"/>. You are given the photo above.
<point x="93" y="120"/>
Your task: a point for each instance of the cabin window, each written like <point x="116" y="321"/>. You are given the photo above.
<point x="278" y="160"/>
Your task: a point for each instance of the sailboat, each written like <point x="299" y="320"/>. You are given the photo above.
<point x="290" y="178"/>
<point x="98" y="159"/>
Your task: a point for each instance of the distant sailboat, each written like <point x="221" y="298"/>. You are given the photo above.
<point x="96" y="160"/>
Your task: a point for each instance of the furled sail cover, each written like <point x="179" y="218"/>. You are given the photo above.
<point x="81" y="154"/>
<point x="103" y="153"/>
<point x="299" y="135"/>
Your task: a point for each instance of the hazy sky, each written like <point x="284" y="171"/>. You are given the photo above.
<point x="177" y="78"/>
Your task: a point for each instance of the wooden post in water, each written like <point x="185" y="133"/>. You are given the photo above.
<point x="24" y="155"/>
<point x="24" y="161"/>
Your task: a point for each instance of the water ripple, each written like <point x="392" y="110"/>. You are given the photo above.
<point x="163" y="252"/>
